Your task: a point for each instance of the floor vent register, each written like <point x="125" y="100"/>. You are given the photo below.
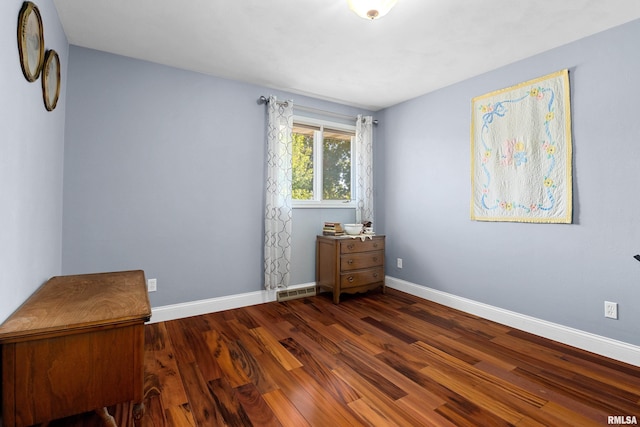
<point x="296" y="293"/>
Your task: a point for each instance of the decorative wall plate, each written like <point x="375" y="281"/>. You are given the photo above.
<point x="30" y="41"/>
<point x="51" y="79"/>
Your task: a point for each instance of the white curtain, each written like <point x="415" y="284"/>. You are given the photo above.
<point x="364" y="168"/>
<point x="277" y="212"/>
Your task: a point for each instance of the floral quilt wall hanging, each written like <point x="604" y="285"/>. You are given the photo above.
<point x="521" y="152"/>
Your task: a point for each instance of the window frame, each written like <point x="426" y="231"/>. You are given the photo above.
<point x="318" y="202"/>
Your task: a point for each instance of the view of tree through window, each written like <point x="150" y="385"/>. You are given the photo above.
<point x="331" y="148"/>
<point x="302" y="162"/>
<point x="336" y="158"/>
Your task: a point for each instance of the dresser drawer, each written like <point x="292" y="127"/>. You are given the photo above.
<point x="357" y="245"/>
<point x="361" y="278"/>
<point x="357" y="261"/>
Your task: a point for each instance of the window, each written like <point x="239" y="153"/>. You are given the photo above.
<point x="322" y="163"/>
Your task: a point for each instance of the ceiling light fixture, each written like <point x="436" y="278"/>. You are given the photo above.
<point x="371" y="9"/>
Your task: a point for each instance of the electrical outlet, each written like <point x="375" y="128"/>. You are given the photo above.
<point x="399" y="262"/>
<point x="152" y="285"/>
<point x="611" y="310"/>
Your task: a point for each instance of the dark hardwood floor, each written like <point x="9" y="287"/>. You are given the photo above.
<point x="374" y="360"/>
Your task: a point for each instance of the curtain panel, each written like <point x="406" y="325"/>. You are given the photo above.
<point x="364" y="169"/>
<point x="277" y="212"/>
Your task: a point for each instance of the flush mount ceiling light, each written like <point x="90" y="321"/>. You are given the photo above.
<point x="371" y="9"/>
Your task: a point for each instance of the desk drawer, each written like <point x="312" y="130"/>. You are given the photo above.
<point x="360" y="278"/>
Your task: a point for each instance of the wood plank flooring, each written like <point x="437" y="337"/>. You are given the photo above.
<point x="374" y="360"/>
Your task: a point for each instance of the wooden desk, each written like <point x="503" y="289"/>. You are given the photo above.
<point x="76" y="345"/>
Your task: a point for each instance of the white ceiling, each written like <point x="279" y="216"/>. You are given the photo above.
<point x="321" y="49"/>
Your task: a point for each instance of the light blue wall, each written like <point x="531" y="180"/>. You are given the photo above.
<point x="307" y="224"/>
<point x="31" y="162"/>
<point x="559" y="273"/>
<point x="157" y="176"/>
<point x="164" y="171"/>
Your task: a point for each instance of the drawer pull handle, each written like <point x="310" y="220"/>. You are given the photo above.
<point x="375" y="259"/>
<point x="350" y="279"/>
<point x="375" y="275"/>
<point x="350" y="262"/>
<point x="375" y="245"/>
<point x="350" y="247"/>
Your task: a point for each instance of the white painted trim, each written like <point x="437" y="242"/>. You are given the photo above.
<point x="196" y="308"/>
<point x="608" y="347"/>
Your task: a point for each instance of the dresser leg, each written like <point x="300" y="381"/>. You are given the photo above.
<point x="106" y="418"/>
<point x="138" y="412"/>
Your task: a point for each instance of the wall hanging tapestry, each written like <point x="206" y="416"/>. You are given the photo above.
<point x="521" y="152"/>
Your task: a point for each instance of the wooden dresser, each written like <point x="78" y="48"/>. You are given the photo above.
<point x="349" y="265"/>
<point x="76" y="345"/>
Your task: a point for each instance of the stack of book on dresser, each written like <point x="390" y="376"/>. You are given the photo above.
<point x="332" y="229"/>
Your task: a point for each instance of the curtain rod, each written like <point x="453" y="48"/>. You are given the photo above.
<point x="264" y="100"/>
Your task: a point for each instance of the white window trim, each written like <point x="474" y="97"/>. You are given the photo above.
<point x="318" y="204"/>
<point x="317" y="159"/>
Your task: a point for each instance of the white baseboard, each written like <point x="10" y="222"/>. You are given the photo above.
<point x="608" y="347"/>
<point x="196" y="308"/>
<point x="614" y="349"/>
